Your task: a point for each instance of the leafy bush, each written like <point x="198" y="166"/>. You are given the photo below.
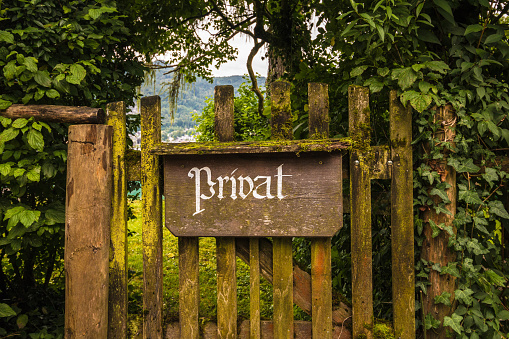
<point x="51" y="52"/>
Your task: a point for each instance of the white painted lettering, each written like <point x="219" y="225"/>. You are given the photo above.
<point x="266" y="183"/>
<point x="198" y="194"/>
<point x="246" y="186"/>
<point x="243" y="179"/>
<point x="280" y="176"/>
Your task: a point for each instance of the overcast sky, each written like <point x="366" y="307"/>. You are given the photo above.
<point x="238" y="67"/>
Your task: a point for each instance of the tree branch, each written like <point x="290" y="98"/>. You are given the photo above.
<point x="254" y="81"/>
<point x="227" y="21"/>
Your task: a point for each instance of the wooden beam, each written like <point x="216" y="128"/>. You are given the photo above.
<point x="248" y="147"/>
<point x="87" y="231"/>
<point x="117" y="310"/>
<point x="321" y="281"/>
<point x="283" y="263"/>
<point x="51" y="113"/>
<point x="360" y="205"/>
<point x="402" y="219"/>
<point x="226" y="259"/>
<point x="152" y="231"/>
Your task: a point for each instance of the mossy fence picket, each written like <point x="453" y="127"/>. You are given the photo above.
<point x="96" y="217"/>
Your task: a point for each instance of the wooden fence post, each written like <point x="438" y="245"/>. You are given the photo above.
<point x="117" y="310"/>
<point x="225" y="255"/>
<point x="360" y="206"/>
<point x="282" y="128"/>
<point x="435" y="249"/>
<point x="151" y="219"/>
<point x="321" y="283"/>
<point x="402" y="220"/>
<point x="87" y="231"/>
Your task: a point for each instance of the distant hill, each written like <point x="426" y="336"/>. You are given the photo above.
<point x="191" y="100"/>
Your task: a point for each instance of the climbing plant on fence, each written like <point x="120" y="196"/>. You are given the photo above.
<point x="60" y="53"/>
<point x="437" y="53"/>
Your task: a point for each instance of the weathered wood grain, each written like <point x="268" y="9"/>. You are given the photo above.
<point x="321" y="281"/>
<point x="117" y="310"/>
<point x="282" y="247"/>
<point x="225" y="245"/>
<point x="226" y="288"/>
<point x="189" y="289"/>
<point x="87" y="231"/>
<point x="151" y="219"/>
<point x="283" y="288"/>
<point x="223" y="113"/>
<point x="360" y="205"/>
<point x="254" y="288"/>
<point x="310" y="194"/>
<point x="281" y="112"/>
<point x="402" y="225"/>
<point x="52" y="113"/>
<point x="249" y="147"/>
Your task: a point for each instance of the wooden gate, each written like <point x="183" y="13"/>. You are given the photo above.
<point x="272" y="260"/>
<point x="366" y="163"/>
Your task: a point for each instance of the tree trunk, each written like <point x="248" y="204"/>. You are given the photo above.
<point x="435" y="249"/>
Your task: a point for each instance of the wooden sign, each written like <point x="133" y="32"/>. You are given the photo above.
<point x="278" y="194"/>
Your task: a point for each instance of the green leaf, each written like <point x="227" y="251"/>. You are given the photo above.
<point x="35" y="140"/>
<point x="473" y="29"/>
<point x="503" y="315"/>
<point x="470" y="197"/>
<point x="441" y="194"/>
<point x="31" y="64"/>
<point x="368" y="19"/>
<point x="374" y="84"/>
<point x="493" y="38"/>
<point x="381" y="32"/>
<point x="424" y="86"/>
<point x="10" y="70"/>
<point x="28" y="217"/>
<point x="34" y="174"/>
<point x="42" y="78"/>
<point x="419" y="101"/>
<point x="4" y="104"/>
<point x="444" y="298"/>
<point x="52" y="93"/>
<point x="22" y="321"/>
<point x="435" y="229"/>
<point x="56" y="215"/>
<point x="9" y="134"/>
<point x="464" y="296"/>
<point x="437" y="66"/>
<point x="78" y="71"/>
<point x="7" y="37"/>
<point x="445" y="10"/>
<point x="95" y="13"/>
<point x="405" y="76"/>
<point x="6" y="311"/>
<point x="358" y="71"/>
<point x="497" y="208"/>
<point x="5" y="169"/>
<point x="19" y="123"/>
<point x="430" y="322"/>
<point x="454" y="322"/>
<point x="382" y="71"/>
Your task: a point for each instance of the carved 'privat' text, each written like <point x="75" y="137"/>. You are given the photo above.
<point x="237" y="186"/>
